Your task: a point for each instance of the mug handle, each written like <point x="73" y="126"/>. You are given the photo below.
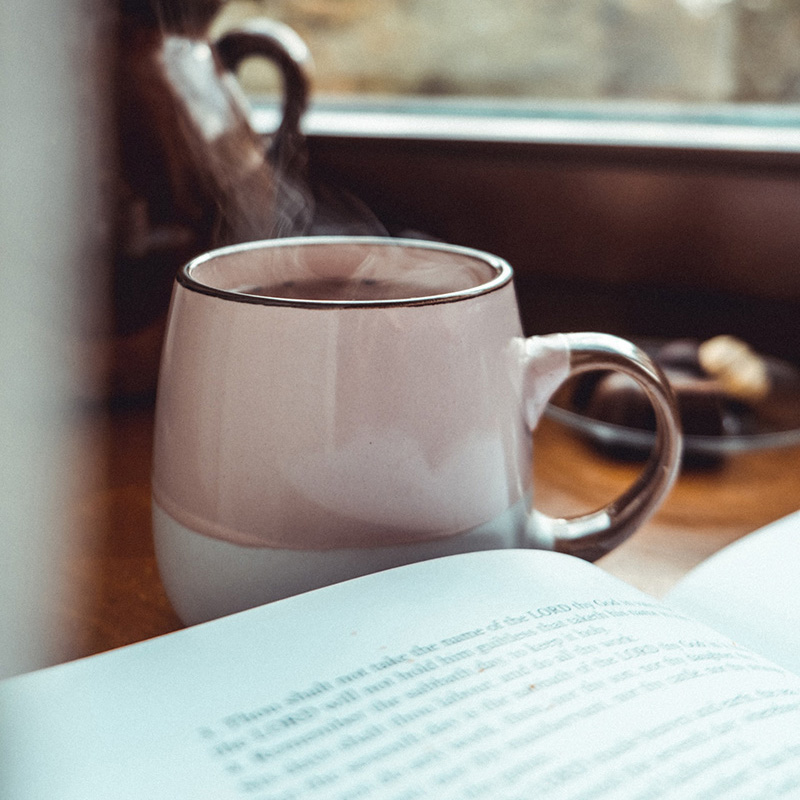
<point x="280" y="44"/>
<point x="547" y="362"/>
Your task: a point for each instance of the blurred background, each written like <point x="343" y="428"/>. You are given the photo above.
<point x="685" y="51"/>
<point x="53" y="286"/>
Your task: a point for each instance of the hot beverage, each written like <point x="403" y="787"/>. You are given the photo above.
<point x="333" y="406"/>
<point x="343" y="289"/>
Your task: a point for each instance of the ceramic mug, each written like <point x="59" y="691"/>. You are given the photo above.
<point x="333" y="406"/>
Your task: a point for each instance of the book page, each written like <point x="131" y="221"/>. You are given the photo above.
<point x="750" y="590"/>
<point x="507" y="674"/>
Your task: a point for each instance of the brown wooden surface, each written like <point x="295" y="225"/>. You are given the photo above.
<point x="115" y="596"/>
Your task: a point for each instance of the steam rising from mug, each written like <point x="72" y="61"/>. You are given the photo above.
<point x="260" y="191"/>
<point x="194" y="174"/>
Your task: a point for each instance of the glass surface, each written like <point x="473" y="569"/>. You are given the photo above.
<point x="684" y="51"/>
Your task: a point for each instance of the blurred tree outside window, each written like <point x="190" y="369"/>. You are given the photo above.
<point x="675" y="51"/>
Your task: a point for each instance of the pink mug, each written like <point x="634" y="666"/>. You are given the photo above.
<point x="333" y="406"/>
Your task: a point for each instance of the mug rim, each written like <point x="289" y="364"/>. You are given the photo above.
<point x="502" y="269"/>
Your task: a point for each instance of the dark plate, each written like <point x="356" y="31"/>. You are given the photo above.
<point x="773" y="422"/>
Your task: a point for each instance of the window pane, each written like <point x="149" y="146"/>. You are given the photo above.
<point x="665" y="50"/>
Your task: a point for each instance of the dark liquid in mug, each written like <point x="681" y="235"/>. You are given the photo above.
<point x="347" y="289"/>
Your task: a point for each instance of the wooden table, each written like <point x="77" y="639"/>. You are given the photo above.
<point x="115" y="595"/>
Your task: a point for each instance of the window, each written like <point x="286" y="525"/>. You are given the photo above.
<point x="707" y="51"/>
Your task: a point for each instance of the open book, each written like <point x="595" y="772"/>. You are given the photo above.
<point x="504" y="674"/>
